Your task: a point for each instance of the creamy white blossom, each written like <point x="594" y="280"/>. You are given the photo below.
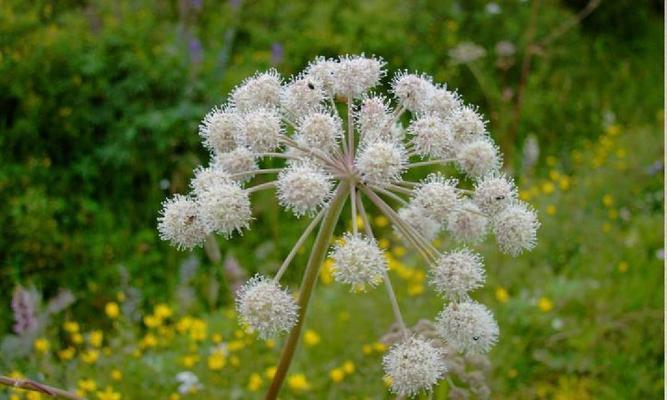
<point x="239" y="163"/>
<point x="358" y="261"/>
<point x="456" y="273"/>
<point x="478" y="158"/>
<point x="301" y="96"/>
<point x="323" y="70"/>
<point x="437" y="196"/>
<point x="354" y="75"/>
<point x="414" y="366"/>
<point x="266" y="308"/>
<point x="303" y="188"/>
<point x="208" y="177"/>
<point x="260" y="91"/>
<point x="412" y="91"/>
<point x="431" y="136"/>
<point x="219" y="128"/>
<point x="261" y="130"/>
<point x="225" y="208"/>
<point x="468" y="327"/>
<point x="516" y="228"/>
<point x="380" y="163"/>
<point x="319" y="130"/>
<point x="180" y="223"/>
<point x="494" y="192"/>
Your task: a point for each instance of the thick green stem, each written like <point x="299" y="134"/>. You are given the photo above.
<point x="315" y="261"/>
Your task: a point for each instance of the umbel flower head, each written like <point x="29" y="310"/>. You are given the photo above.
<point x="334" y="140"/>
<point x="413" y="366"/>
<point x="265" y="307"/>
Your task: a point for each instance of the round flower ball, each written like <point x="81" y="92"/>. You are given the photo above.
<point x="468" y="327"/>
<point x="358" y="261"/>
<point x="456" y="273"/>
<point x="413" y="366"/>
<point x="303" y="188"/>
<point x="266" y="308"/>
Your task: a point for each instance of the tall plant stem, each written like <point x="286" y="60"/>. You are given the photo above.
<point x="315" y="261"/>
<point x="28" y="384"/>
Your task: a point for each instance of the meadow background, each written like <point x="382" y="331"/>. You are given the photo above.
<point x="99" y="107"/>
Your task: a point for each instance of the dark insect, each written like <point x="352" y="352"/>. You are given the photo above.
<point x="475" y="338"/>
<point x="311" y="86"/>
<point x="500" y="197"/>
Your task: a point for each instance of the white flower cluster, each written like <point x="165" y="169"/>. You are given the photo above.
<point x="336" y="141"/>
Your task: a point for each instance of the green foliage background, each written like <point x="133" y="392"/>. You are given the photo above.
<point x="99" y="104"/>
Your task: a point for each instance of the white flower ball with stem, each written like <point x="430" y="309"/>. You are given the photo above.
<point x="225" y="208"/>
<point x="414" y="366"/>
<point x="494" y="192"/>
<point x="437" y="196"/>
<point x="478" y="158"/>
<point x="265" y="308"/>
<point x="240" y="164"/>
<point x="208" y="177"/>
<point x="218" y="129"/>
<point x="301" y="96"/>
<point x="356" y="74"/>
<point x="358" y="261"/>
<point x="468" y="327"/>
<point x="381" y="163"/>
<point x="260" y="91"/>
<point x="516" y="228"/>
<point x="180" y="223"/>
<point x="431" y="136"/>
<point x="303" y="188"/>
<point x="323" y="70"/>
<point x="320" y="130"/>
<point x="261" y="130"/>
<point x="330" y="141"/>
<point x="412" y="91"/>
<point x="456" y="273"/>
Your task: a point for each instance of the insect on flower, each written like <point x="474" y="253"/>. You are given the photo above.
<point x="340" y="143"/>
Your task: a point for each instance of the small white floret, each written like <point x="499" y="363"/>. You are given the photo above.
<point x="303" y="189"/>
<point x="358" y="261"/>
<point x="381" y="163"/>
<point x="414" y="366"/>
<point x="179" y="222"/>
<point x="467" y="223"/>
<point x="259" y="91"/>
<point x="266" y="308"/>
<point x="469" y="327"/>
<point x="516" y="228"/>
<point x="456" y="273"/>
<point x="219" y="129"/>
<point x="225" y="208"/>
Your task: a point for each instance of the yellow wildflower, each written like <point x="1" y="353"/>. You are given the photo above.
<point x="360" y="222"/>
<point x="71" y="327"/>
<point x="367" y="349"/>
<point x="108" y="394"/>
<point x="608" y="200"/>
<point x="255" y="382"/>
<point x="270" y="372"/>
<point x="547" y="187"/>
<point x="90" y="356"/>
<point x="512" y="373"/>
<point x="336" y="375"/>
<point x="326" y="273"/>
<point x="41" y="345"/>
<point x="234" y="361"/>
<point x="298" y="382"/>
<point x="112" y="310"/>
<point x="174" y="396"/>
<point x="551" y="209"/>
<point x="148" y="341"/>
<point x="86" y="385"/>
<point x="381" y="221"/>
<point x="151" y="321"/>
<point x="198" y="330"/>
<point x="415" y="289"/>
<point x="33" y="396"/>
<point x="77" y="338"/>
<point x="189" y="361"/>
<point x="96" y="337"/>
<point x="162" y="311"/>
<point x="502" y="295"/>
<point x="311" y="338"/>
<point x="216" y="361"/>
<point x="545" y="305"/>
<point x="183" y="324"/>
<point x="383" y="243"/>
<point x="623" y="266"/>
<point x="387" y="381"/>
<point x="270" y="343"/>
<point x="399" y="251"/>
<point x="379" y="347"/>
<point x="564" y="183"/>
<point x="67" y="353"/>
<point x="116" y="375"/>
<point x="348" y="367"/>
<point x="216" y="338"/>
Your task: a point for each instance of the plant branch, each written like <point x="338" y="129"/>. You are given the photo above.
<point x="31" y="385"/>
<point x="315" y="261"/>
